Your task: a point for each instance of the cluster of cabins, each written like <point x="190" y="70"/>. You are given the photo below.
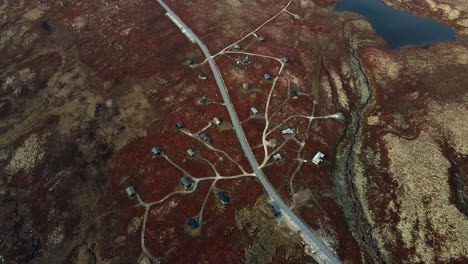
<point x="188" y="182"/>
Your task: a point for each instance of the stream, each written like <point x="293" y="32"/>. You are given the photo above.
<point x="399" y="29"/>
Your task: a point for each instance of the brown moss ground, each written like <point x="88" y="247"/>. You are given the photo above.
<point x="406" y="179"/>
<point x="107" y="86"/>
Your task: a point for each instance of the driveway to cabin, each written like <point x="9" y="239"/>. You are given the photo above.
<point x="323" y="254"/>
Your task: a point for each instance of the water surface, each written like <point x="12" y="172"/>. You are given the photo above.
<point x="398" y="28"/>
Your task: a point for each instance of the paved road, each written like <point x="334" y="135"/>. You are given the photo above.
<point x="323" y="254"/>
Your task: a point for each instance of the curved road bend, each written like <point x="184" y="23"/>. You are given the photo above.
<point x="323" y="254"/>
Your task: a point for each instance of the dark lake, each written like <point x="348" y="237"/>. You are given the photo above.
<point x="398" y="28"/>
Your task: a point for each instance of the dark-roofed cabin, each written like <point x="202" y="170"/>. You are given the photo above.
<point x="131" y="192"/>
<point x="157" y="151"/>
<point x="203" y="100"/>
<point x="245" y="60"/>
<point x="267" y="77"/>
<point x="275" y="210"/>
<point x="193" y="223"/>
<point x="277" y="157"/>
<point x="179" y="125"/>
<point x="187" y="182"/>
<point x="47" y="26"/>
<point x="294" y="94"/>
<point x="223" y="198"/>
<point x="205" y="138"/>
<point x="341" y="116"/>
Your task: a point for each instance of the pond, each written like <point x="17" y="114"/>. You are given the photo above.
<point x="398" y="28"/>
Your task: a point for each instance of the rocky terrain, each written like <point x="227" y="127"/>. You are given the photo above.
<point x="87" y="88"/>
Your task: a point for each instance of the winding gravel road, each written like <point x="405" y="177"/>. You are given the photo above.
<point x="323" y="254"/>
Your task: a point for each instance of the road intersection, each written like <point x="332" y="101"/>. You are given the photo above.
<point x="322" y="253"/>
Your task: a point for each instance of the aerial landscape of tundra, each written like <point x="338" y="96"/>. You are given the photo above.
<point x="236" y="131"/>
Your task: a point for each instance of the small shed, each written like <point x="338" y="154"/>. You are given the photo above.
<point x="261" y="39"/>
<point x="275" y="210"/>
<point x="191" y="152"/>
<point x="285" y="60"/>
<point x="287" y="131"/>
<point x="340" y="116"/>
<point x="223" y="198"/>
<point x="294" y="94"/>
<point x="193" y="223"/>
<point x="237" y="46"/>
<point x="189" y="62"/>
<point x="217" y="121"/>
<point x="205" y="138"/>
<point x="131" y="192"/>
<point x="245" y="60"/>
<point x="157" y="151"/>
<point x="203" y="76"/>
<point x="318" y="158"/>
<point x="255" y="35"/>
<point x="246" y="86"/>
<point x="277" y="157"/>
<point x="254" y="110"/>
<point x="180" y="125"/>
<point x="47" y="26"/>
<point x="267" y="77"/>
<point x="203" y="100"/>
<point x="187" y="182"/>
